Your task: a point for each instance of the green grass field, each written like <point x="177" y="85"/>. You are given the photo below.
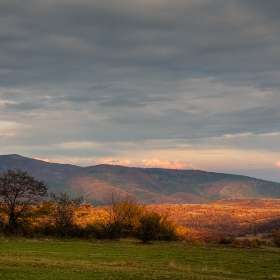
<point x="128" y="259"/>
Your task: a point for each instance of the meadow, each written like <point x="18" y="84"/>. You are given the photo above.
<point x="27" y="258"/>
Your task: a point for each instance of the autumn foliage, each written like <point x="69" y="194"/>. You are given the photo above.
<point x="250" y="222"/>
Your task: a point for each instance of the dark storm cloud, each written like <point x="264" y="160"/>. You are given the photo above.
<point x="64" y="39"/>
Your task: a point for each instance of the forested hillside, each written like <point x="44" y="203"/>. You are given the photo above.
<point x="149" y="185"/>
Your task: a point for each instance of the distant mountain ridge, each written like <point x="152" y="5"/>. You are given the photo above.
<point x="149" y="185"/>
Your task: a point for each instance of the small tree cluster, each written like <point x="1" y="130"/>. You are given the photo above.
<point x="127" y="218"/>
<point x="22" y="206"/>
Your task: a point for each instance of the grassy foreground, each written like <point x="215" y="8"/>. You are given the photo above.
<point x="128" y="259"/>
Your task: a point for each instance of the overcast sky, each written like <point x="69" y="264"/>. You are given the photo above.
<point x="177" y="84"/>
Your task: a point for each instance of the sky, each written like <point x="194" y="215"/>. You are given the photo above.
<point x="184" y="84"/>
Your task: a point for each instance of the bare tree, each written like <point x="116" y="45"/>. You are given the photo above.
<point x="18" y="193"/>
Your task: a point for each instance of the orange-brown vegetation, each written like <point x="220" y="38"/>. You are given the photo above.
<point x="88" y="215"/>
<point x="196" y="223"/>
<point x="236" y="216"/>
<point x="199" y="222"/>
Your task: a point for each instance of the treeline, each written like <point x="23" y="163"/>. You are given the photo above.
<point x="25" y="212"/>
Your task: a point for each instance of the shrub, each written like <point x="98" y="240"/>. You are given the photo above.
<point x="255" y="242"/>
<point x="154" y="226"/>
<point x="96" y="230"/>
<point x="124" y="215"/>
<point x="277" y="239"/>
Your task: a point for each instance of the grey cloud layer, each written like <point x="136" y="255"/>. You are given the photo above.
<point x="131" y="71"/>
<point x="63" y="40"/>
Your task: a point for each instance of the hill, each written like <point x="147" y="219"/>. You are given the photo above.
<point x="149" y="185"/>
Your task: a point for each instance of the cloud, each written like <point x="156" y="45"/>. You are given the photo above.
<point x="43" y="159"/>
<point x="22" y="106"/>
<point x="78" y="145"/>
<point x="132" y="38"/>
<point x="124" y="162"/>
<point x="238" y="135"/>
<point x="175" y="164"/>
<point x="87" y="81"/>
<point x="5" y="124"/>
<point x="271" y="134"/>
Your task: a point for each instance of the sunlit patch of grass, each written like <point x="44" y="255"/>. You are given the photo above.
<point x="173" y="265"/>
<point x="122" y="263"/>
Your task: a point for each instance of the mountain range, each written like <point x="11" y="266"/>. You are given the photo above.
<point x="148" y="185"/>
